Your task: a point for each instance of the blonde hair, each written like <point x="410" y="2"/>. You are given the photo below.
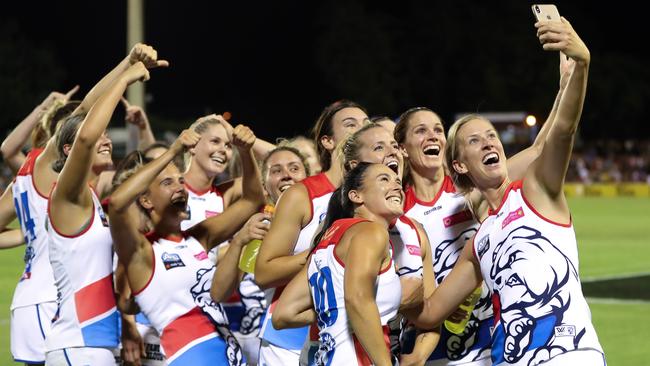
<point x="462" y="182"/>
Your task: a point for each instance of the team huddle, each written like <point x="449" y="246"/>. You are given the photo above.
<point x="381" y="243"/>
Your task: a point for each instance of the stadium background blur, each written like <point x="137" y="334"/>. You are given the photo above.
<point x="275" y="65"/>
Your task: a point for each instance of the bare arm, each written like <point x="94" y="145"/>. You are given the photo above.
<point x="295" y="307"/>
<point x="135" y="115"/>
<point x="133" y="249"/>
<point x="363" y="261"/>
<point x="550" y="169"/>
<point x="216" y="229"/>
<point x="260" y="147"/>
<point x="276" y="264"/>
<point x="464" y="278"/>
<point x="11" y="239"/>
<point x="426" y="341"/>
<point x="7" y="209"/>
<point x="77" y="167"/>
<point x="227" y="274"/>
<point x="17" y="139"/>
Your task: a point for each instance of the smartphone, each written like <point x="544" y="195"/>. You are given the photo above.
<point x="546" y="12"/>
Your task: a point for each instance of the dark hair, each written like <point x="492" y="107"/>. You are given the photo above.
<point x="323" y="127"/>
<point x="155" y="145"/>
<point x="401" y="126"/>
<point x="127" y="167"/>
<point x="264" y="168"/>
<point x="340" y="206"/>
<point x="65" y="135"/>
<point x="402" y="122"/>
<point x="376" y="119"/>
<point x="60" y="114"/>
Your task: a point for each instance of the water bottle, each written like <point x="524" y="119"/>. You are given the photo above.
<point x="467" y="305"/>
<point x="249" y="255"/>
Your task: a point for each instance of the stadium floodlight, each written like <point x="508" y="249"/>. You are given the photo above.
<point x="531" y="120"/>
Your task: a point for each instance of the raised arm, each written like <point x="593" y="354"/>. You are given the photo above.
<point x="7" y="209"/>
<point x="77" y="169"/>
<point x="295" y="307"/>
<point x="133" y="249"/>
<point x="363" y="261"/>
<point x="222" y="227"/>
<point x="139" y="53"/>
<point x="276" y="265"/>
<point x="16" y="140"/>
<point x="549" y="170"/>
<point x="135" y="115"/>
<point x="227" y="275"/>
<point x="260" y="148"/>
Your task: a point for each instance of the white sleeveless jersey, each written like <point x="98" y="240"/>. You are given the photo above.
<point x="36" y="285"/>
<point x="193" y="328"/>
<point x="338" y="344"/>
<point x="201" y="205"/>
<point x="320" y="190"/>
<point x="530" y="265"/>
<point x="83" y="272"/>
<point x="449" y="224"/>
<point x="407" y="245"/>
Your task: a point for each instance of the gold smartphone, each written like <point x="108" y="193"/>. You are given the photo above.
<point x="546" y="12"/>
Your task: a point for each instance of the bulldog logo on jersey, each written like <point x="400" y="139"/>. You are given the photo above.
<point x="102" y="216"/>
<point x="171" y="260"/>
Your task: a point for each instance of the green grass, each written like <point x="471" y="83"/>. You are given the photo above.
<point x="623" y="330"/>
<point x="613" y="237"/>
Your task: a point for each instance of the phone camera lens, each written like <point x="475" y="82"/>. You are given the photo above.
<point x="537" y="9"/>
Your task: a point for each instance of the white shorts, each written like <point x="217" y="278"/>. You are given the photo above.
<point x="29" y="326"/>
<point x="80" y="356"/>
<point x="250" y="346"/>
<point x="583" y="357"/>
<point x="151" y="340"/>
<point x="271" y="355"/>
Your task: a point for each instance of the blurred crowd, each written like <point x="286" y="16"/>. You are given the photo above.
<point x="610" y="161"/>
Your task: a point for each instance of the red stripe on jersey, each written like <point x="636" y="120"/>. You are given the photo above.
<point x="185" y="329"/>
<point x="457" y="218"/>
<point x="28" y="165"/>
<point x="95" y="299"/>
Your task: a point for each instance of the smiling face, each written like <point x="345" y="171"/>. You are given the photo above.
<point x="213" y="151"/>
<point x="283" y="169"/>
<point x="102" y="159"/>
<point x="166" y="197"/>
<point x="380" y="193"/>
<point x="425" y="142"/>
<point x="480" y="154"/>
<point x="377" y="145"/>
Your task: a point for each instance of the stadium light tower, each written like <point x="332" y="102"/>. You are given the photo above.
<point x="134" y="34"/>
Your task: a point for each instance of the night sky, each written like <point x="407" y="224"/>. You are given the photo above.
<point x="275" y="65"/>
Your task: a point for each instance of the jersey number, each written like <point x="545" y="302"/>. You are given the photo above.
<point x="324" y="297"/>
<point x="26" y="221"/>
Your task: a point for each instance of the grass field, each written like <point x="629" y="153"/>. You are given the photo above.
<point x="613" y="240"/>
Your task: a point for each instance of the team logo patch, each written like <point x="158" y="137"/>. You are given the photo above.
<point x="457" y="218"/>
<point x="483" y="246"/>
<point x="172" y="260"/>
<point x="201" y="255"/>
<point x="413" y="249"/>
<point x="210" y="213"/>
<point x="514" y="215"/>
<point x="565" y="331"/>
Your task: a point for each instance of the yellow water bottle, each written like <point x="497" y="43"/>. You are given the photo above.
<point x="249" y="255"/>
<point x="467" y="305"/>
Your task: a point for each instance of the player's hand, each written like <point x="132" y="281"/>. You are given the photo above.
<point x="134" y="114"/>
<point x="186" y="140"/>
<point x="243" y="137"/>
<point x="560" y="36"/>
<point x="147" y="55"/>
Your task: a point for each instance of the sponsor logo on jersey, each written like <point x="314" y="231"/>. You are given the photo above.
<point x="413" y="249"/>
<point x="483" y="246"/>
<point x="209" y="213"/>
<point x="172" y="260"/>
<point x="514" y="215"/>
<point x="201" y="255"/>
<point x="565" y="331"/>
<point x="457" y="218"/>
<point x="322" y="217"/>
<point x="436" y="208"/>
